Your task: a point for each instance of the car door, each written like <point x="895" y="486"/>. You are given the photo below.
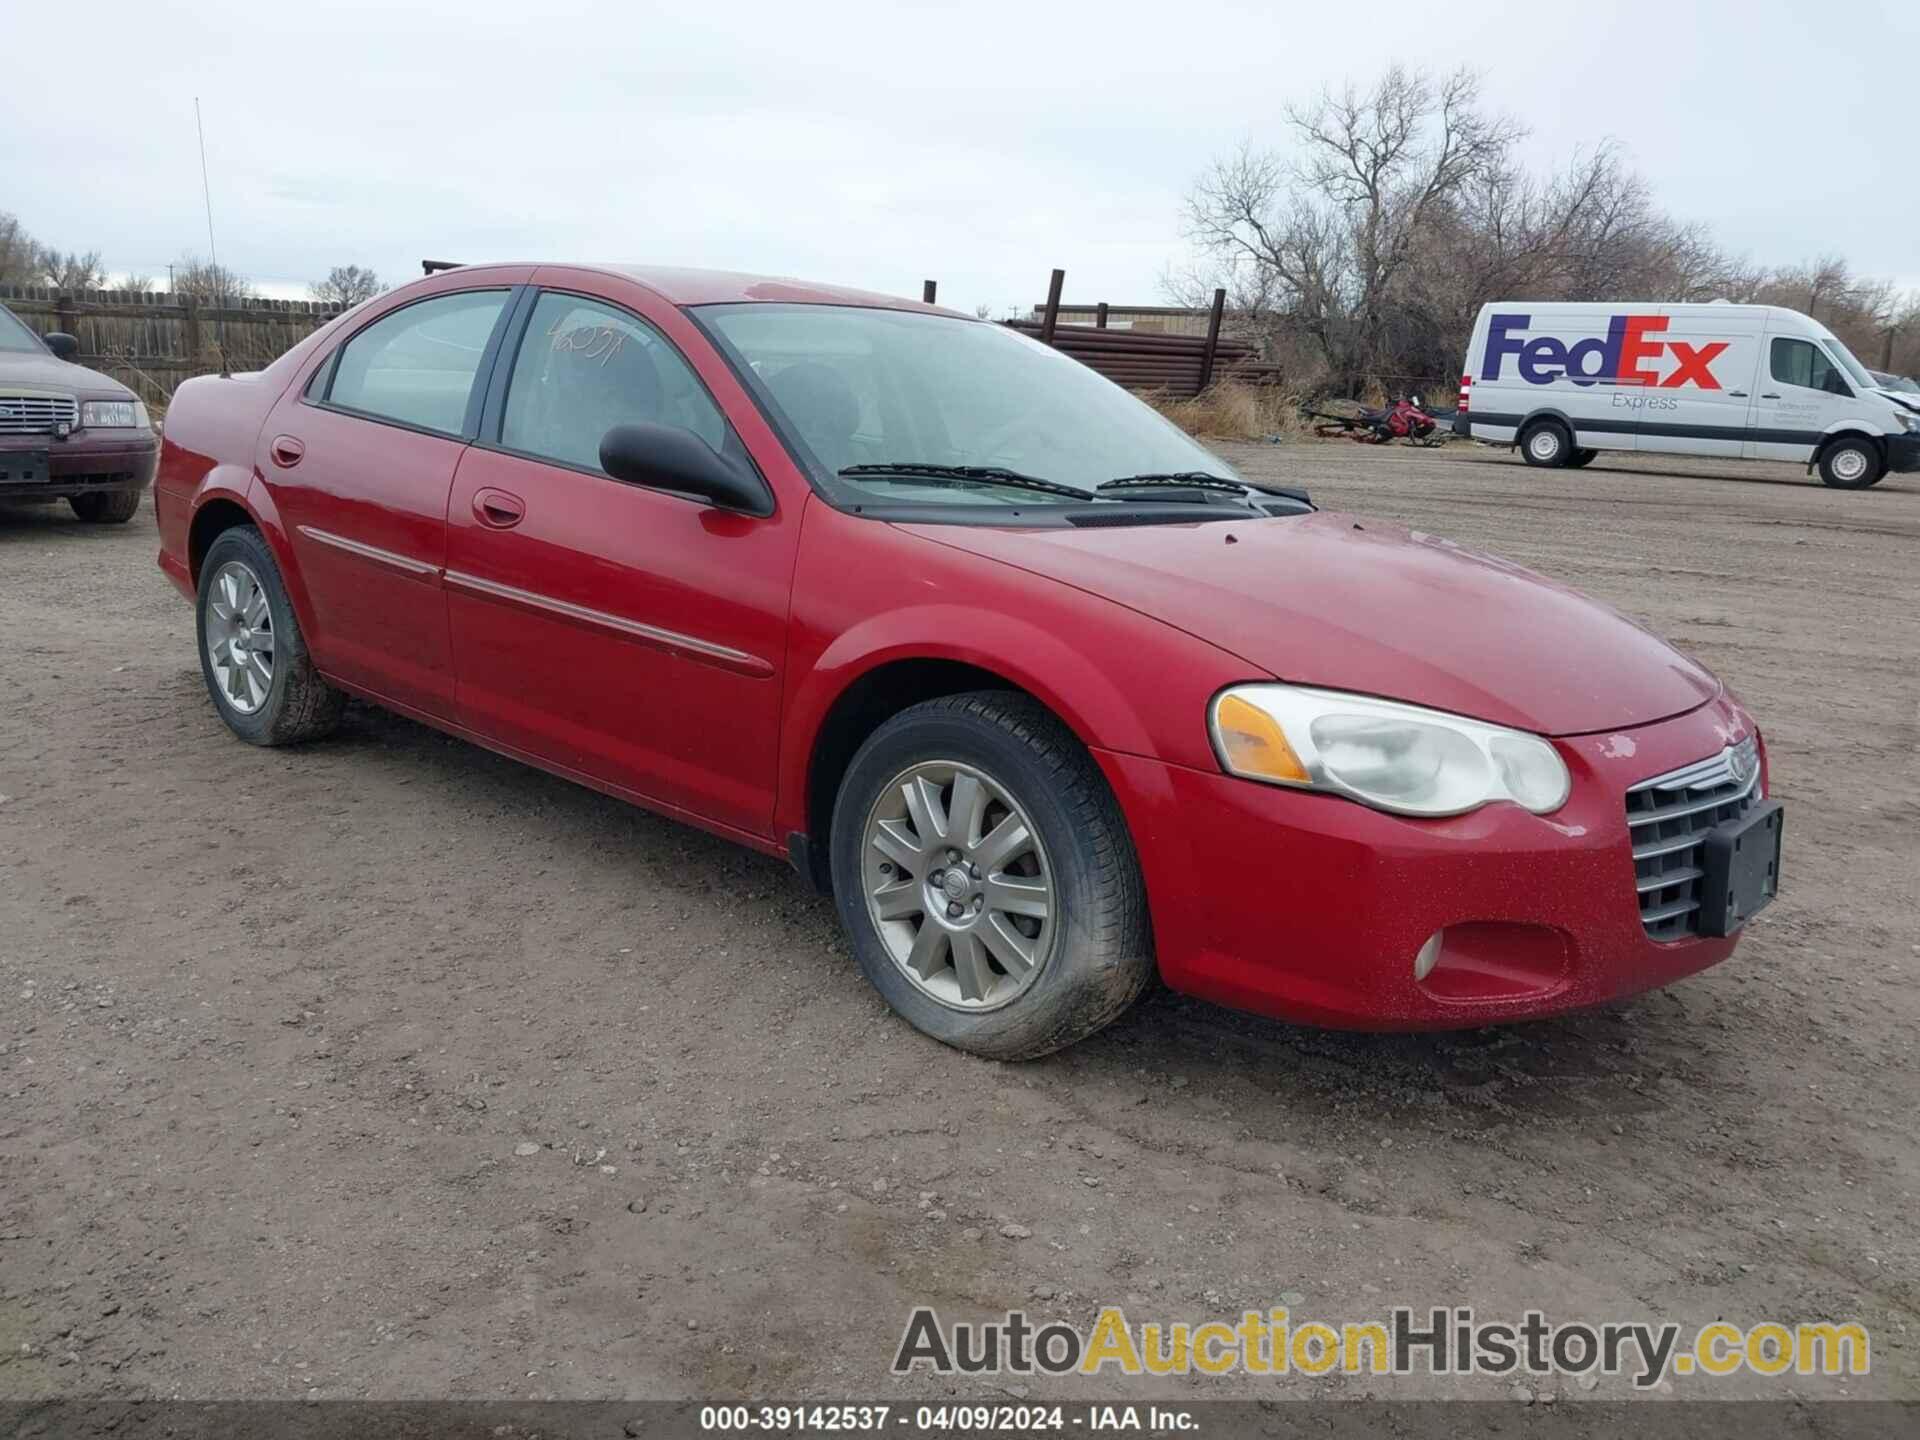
<point x="630" y="636"/>
<point x="1801" y="392"/>
<point x="359" y="461"/>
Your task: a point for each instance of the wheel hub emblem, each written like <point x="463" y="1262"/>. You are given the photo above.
<point x="955" y="884"/>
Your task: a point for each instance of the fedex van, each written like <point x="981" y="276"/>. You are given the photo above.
<point x="1566" y="381"/>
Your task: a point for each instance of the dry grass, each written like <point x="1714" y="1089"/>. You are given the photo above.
<point x="1230" y="411"/>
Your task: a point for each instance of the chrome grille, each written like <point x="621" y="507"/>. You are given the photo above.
<point x="36" y="414"/>
<point x="1668" y="818"/>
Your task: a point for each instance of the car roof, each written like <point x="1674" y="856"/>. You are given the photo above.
<point x="681" y="286"/>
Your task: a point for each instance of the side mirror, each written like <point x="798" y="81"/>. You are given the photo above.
<point x="63" y="345"/>
<point x="669" y="458"/>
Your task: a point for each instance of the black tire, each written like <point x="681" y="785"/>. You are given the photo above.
<point x="106" y="507"/>
<point x="299" y="705"/>
<point x="1101" y="956"/>
<point x="1547" y="444"/>
<point x="1581" y="457"/>
<point x="1852" y="463"/>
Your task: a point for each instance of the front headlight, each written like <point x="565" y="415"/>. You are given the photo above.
<point x="114" y="415"/>
<point x="1395" y="757"/>
<point x="1908" y="420"/>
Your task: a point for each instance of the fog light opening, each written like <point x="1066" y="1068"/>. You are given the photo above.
<point x="1426" y="957"/>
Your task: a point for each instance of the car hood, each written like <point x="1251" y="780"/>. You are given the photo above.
<point x="1350" y="604"/>
<point x="36" y="371"/>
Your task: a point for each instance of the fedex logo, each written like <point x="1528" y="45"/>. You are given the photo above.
<point x="1633" y="342"/>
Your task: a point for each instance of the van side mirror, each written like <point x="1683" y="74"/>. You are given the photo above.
<point x="63" y="345"/>
<point x="666" y="457"/>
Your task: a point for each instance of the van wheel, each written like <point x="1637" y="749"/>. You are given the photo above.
<point x="1546" y="443"/>
<point x="1581" y="457"/>
<point x="986" y="878"/>
<point x="1851" y="464"/>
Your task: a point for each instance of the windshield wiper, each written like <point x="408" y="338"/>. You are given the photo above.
<point x="1175" y="480"/>
<point x="966" y="475"/>
<point x="1199" y="480"/>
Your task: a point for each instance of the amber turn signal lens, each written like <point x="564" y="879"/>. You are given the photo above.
<point x="1252" y="743"/>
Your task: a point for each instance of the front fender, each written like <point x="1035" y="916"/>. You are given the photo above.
<point x="1117" y="679"/>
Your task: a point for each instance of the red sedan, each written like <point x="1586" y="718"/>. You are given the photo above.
<point x="1042" y="692"/>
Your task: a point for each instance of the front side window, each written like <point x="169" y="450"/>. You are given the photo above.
<point x="874" y="388"/>
<point x="417" y="365"/>
<point x="1802" y="363"/>
<point x="585" y="367"/>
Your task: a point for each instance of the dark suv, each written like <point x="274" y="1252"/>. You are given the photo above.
<point x="69" y="432"/>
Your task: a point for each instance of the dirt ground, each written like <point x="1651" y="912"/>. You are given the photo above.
<point x="390" y="1068"/>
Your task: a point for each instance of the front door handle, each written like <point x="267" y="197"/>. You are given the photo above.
<point x="497" y="510"/>
<point x="286" y="451"/>
<point x="1770" y="396"/>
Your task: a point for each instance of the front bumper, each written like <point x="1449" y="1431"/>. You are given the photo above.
<point x="1311" y="908"/>
<point x="83" y="462"/>
<point x="1903" y="452"/>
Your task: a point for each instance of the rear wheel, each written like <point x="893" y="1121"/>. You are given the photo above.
<point x="986" y="878"/>
<point x="106" y="507"/>
<point x="1851" y="464"/>
<point x="1546" y="443"/>
<point x="1581" y="457"/>
<point x="252" y="654"/>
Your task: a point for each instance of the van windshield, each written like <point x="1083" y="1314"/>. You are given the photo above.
<point x="1844" y="358"/>
<point x="871" y="389"/>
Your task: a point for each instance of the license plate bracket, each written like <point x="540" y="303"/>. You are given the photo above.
<point x="1742" y="864"/>
<point x="23" y="467"/>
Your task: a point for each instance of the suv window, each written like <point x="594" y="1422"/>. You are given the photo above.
<point x="1801" y="362"/>
<point x="585" y="367"/>
<point x="417" y="364"/>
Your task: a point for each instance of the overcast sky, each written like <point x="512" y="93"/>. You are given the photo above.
<point x="879" y="144"/>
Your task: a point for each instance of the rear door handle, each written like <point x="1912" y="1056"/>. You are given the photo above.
<point x="498" y="510"/>
<point x="1738" y="394"/>
<point x="286" y="451"/>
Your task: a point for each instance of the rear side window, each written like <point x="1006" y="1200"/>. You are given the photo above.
<point x="585" y="367"/>
<point x="1801" y="362"/>
<point x="417" y="365"/>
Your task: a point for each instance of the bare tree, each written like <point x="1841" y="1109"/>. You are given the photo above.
<point x="72" y="270"/>
<point x="346" y="286"/>
<point x="1326" y="235"/>
<point x="209" y="282"/>
<point x="19" y="253"/>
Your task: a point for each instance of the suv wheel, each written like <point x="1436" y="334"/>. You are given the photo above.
<point x="986" y="877"/>
<point x="1851" y="464"/>
<point x="1545" y="443"/>
<point x="106" y="507"/>
<point x="251" y="651"/>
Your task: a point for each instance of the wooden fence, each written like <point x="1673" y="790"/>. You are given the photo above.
<point x="151" y="342"/>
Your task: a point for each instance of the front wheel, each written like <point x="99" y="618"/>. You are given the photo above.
<point x="1546" y="443"/>
<point x="106" y="507"/>
<point x="252" y="654"/>
<point x="1851" y="464"/>
<point x="985" y="875"/>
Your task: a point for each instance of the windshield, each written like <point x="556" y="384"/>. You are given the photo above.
<point x="14" y="335"/>
<point x="876" y="388"/>
<point x="1903" y="383"/>
<point x="1855" y="370"/>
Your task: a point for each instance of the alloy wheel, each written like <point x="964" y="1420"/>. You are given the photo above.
<point x="239" y="635"/>
<point x="958" y="885"/>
